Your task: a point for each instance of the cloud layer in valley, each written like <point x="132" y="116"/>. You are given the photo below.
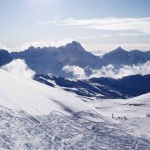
<point x="109" y="71"/>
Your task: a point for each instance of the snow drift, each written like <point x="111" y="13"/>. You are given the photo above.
<point x="36" y="98"/>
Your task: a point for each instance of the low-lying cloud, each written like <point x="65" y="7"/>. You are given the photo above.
<point x="76" y="71"/>
<point x="19" y="67"/>
<point x="109" y="71"/>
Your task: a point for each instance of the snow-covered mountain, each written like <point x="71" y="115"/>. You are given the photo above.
<point x="120" y="56"/>
<point x="52" y="60"/>
<point x="35" y="116"/>
<point x="104" y="88"/>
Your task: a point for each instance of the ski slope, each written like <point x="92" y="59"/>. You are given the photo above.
<point x="134" y="109"/>
<point x="36" y="98"/>
<point x="34" y="116"/>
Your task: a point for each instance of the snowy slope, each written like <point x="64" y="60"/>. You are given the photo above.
<point x="134" y="109"/>
<point x="36" y="98"/>
<point x="35" y="116"/>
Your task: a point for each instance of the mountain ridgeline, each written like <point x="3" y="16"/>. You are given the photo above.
<point x="52" y="60"/>
<point x="105" y="88"/>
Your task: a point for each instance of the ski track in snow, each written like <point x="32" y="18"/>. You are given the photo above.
<point x="57" y="131"/>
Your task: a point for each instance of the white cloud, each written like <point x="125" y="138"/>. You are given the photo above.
<point x="77" y="71"/>
<point x="3" y="47"/>
<point x="94" y="37"/>
<point x="132" y="34"/>
<point x="117" y="24"/>
<point x="109" y="71"/>
<point x="19" y="67"/>
<point x="44" y="44"/>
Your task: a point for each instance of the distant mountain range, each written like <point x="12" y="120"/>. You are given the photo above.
<point x="126" y="87"/>
<point x="52" y="60"/>
<point x="120" y="56"/>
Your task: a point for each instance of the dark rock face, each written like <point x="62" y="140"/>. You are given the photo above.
<point x="5" y="57"/>
<point x="126" y="87"/>
<point x="134" y="85"/>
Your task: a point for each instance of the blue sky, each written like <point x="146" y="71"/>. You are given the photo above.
<point x="98" y="24"/>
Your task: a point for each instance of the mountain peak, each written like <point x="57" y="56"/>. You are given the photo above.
<point x="30" y="48"/>
<point x="74" y="45"/>
<point x="119" y="49"/>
